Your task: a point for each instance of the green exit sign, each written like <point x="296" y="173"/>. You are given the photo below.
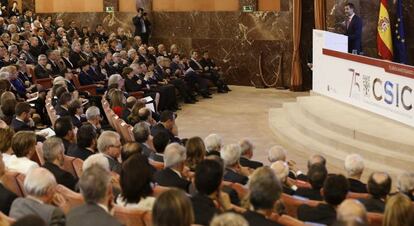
<point x="247" y="8"/>
<point x="109" y="9"/>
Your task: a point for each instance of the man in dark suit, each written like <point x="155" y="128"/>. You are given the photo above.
<point x="379" y="186"/>
<point x="233" y="172"/>
<point x="109" y="144"/>
<point x="314" y="159"/>
<point x="354" y="166"/>
<point x="96" y="189"/>
<point x="142" y="26"/>
<point x="62" y="106"/>
<point x="353" y="26"/>
<point x="64" y="130"/>
<point x="167" y="122"/>
<point x="86" y="142"/>
<point x="335" y="190"/>
<point x="141" y="134"/>
<point x="6" y="196"/>
<point x="317" y="175"/>
<point x="53" y="152"/>
<point x="34" y="47"/>
<point x="171" y="175"/>
<point x="25" y="47"/>
<point x="246" y="154"/>
<point x="160" y="142"/>
<point x="23" y="120"/>
<point x="265" y="190"/>
<point x="43" y="69"/>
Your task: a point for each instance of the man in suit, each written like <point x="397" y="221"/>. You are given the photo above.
<point x="25" y="51"/>
<point x="233" y="172"/>
<point x="34" y="47"/>
<point x="39" y="186"/>
<point x="93" y="117"/>
<point x="65" y="130"/>
<point x="354" y="166"/>
<point x="53" y="150"/>
<point x="208" y="178"/>
<point x="316" y="175"/>
<point x="353" y="26"/>
<point x="379" y="186"/>
<point x="246" y="155"/>
<point x="265" y="191"/>
<point x="43" y="69"/>
<point x="313" y="159"/>
<point x="23" y="119"/>
<point x="160" y="141"/>
<point x="53" y="56"/>
<point x="166" y="124"/>
<point x="141" y="134"/>
<point x="109" y="144"/>
<point x="86" y="142"/>
<point x="6" y="196"/>
<point x="142" y="26"/>
<point x="95" y="187"/>
<point x="62" y="106"/>
<point x="172" y="174"/>
<point x="335" y="190"/>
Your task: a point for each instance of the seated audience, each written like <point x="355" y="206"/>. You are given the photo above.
<point x="265" y="191"/>
<point x="129" y="149"/>
<point x="53" y="150"/>
<point x="208" y="178"/>
<point x="24" y="147"/>
<point x="354" y="166"/>
<point x="6" y="196"/>
<point x="160" y="142"/>
<point x="247" y="148"/>
<point x="379" y="186"/>
<point x="233" y="172"/>
<point x="281" y="171"/>
<point x="30" y="220"/>
<point x="65" y="130"/>
<point x="23" y="119"/>
<point x="213" y="144"/>
<point x="314" y="159"/>
<point x="172" y="174"/>
<point x="352" y="210"/>
<point x="172" y="208"/>
<point x="229" y="219"/>
<point x="130" y="102"/>
<point x="141" y="133"/>
<point x="6" y="135"/>
<point x="335" y="190"/>
<point x="75" y="109"/>
<point x="399" y="211"/>
<point x="109" y="144"/>
<point x="136" y="184"/>
<point x="133" y="114"/>
<point x="86" y="143"/>
<point x="39" y="186"/>
<point x="63" y="104"/>
<point x="95" y="187"/>
<point x="196" y="152"/>
<point x="316" y="176"/>
<point x="405" y="184"/>
<point x="93" y="117"/>
<point x="118" y="102"/>
<point x="96" y="159"/>
<point x="166" y="124"/>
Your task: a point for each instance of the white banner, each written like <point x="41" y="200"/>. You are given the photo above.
<point x="382" y="87"/>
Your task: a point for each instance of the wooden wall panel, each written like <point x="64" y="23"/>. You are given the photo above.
<point x="269" y="5"/>
<point x="127" y="6"/>
<point x="195" y="5"/>
<point x="55" y="6"/>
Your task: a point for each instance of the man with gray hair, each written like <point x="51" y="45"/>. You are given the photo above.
<point x="93" y="117"/>
<point x="405" y="184"/>
<point x="247" y="148"/>
<point x="53" y="150"/>
<point x="39" y="186"/>
<point x="172" y="174"/>
<point x="141" y="133"/>
<point x="354" y="166"/>
<point x="281" y="170"/>
<point x="213" y="144"/>
<point x="96" y="159"/>
<point x="43" y="69"/>
<point x="315" y="159"/>
<point x="233" y="172"/>
<point x="352" y="210"/>
<point x="109" y="144"/>
<point x="95" y="187"/>
<point x="277" y="153"/>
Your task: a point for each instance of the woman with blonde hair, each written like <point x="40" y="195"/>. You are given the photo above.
<point x="399" y="211"/>
<point x="172" y="208"/>
<point x="196" y="151"/>
<point x="118" y="102"/>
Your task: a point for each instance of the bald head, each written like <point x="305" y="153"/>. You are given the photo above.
<point x="351" y="210"/>
<point x="316" y="159"/>
<point x="379" y="185"/>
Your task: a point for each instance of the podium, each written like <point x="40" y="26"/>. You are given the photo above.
<point x="382" y="87"/>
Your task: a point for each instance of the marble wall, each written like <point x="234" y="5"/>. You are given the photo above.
<point x="368" y="10"/>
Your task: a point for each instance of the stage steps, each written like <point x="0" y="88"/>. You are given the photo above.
<point x="317" y="124"/>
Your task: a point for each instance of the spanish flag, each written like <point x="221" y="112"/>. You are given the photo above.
<point x="384" y="37"/>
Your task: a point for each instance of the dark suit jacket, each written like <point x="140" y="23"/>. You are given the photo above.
<point x="78" y="152"/>
<point x="156" y="157"/>
<point x="114" y="165"/>
<point x="146" y="150"/>
<point x="62" y="177"/>
<point x="373" y="205"/>
<point x="68" y="145"/>
<point x="204" y="209"/>
<point x="85" y="79"/>
<point x="159" y="127"/>
<point x="41" y="72"/>
<point x="6" y="199"/>
<point x="230" y="175"/>
<point x="310" y="193"/>
<point x="302" y="177"/>
<point x="357" y="186"/>
<point x="35" y="51"/>
<point x="30" y="59"/>
<point x="167" y="177"/>
<point x="18" y="125"/>
<point x="257" y="219"/>
<point x="90" y="214"/>
<point x="322" y="214"/>
<point x="61" y="111"/>
<point x="354" y="33"/>
<point x="249" y="163"/>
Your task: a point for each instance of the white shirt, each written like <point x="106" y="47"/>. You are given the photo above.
<point x="144" y="204"/>
<point x="22" y="165"/>
<point x="104" y="207"/>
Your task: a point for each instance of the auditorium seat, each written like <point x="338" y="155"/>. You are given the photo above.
<point x="72" y="198"/>
<point x="156" y="165"/>
<point x="126" y="132"/>
<point x="375" y="219"/>
<point x="241" y="190"/>
<point x="158" y="190"/>
<point x="131" y="216"/>
<point x="353" y="195"/>
<point x="302" y="184"/>
<point x="39" y="154"/>
<point x="292" y="204"/>
<point x="44" y="82"/>
<point x="4" y="217"/>
<point x="289" y="221"/>
<point x="77" y="166"/>
<point x="72" y="165"/>
<point x="88" y="88"/>
<point x="20" y="180"/>
<point x="9" y="180"/>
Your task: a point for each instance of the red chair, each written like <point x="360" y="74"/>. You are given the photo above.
<point x="156" y="165"/>
<point x="375" y="219"/>
<point x="158" y="190"/>
<point x="74" y="199"/>
<point x="289" y="221"/>
<point x="292" y="204"/>
<point x="69" y="166"/>
<point x="44" y="82"/>
<point x="131" y="216"/>
<point x="88" y="88"/>
<point x="9" y="180"/>
<point x="77" y="166"/>
<point x="353" y="195"/>
<point x="20" y="180"/>
<point x="126" y="132"/>
<point x="242" y="191"/>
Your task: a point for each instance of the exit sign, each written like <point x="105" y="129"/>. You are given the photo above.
<point x="109" y="9"/>
<point x="247" y="8"/>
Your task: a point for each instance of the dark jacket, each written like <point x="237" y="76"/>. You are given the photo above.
<point x="78" y="152"/>
<point x="250" y="163"/>
<point x="230" y="175"/>
<point x="41" y="72"/>
<point x="354" y="33"/>
<point x="62" y="177"/>
<point x="310" y="193"/>
<point x="167" y="177"/>
<point x="322" y="214"/>
<point x="204" y="209"/>
<point x="18" y="125"/>
<point x="6" y="199"/>
<point x="258" y="219"/>
<point x="373" y="205"/>
<point x="357" y="186"/>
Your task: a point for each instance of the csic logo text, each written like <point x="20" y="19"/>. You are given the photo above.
<point x="391" y="93"/>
